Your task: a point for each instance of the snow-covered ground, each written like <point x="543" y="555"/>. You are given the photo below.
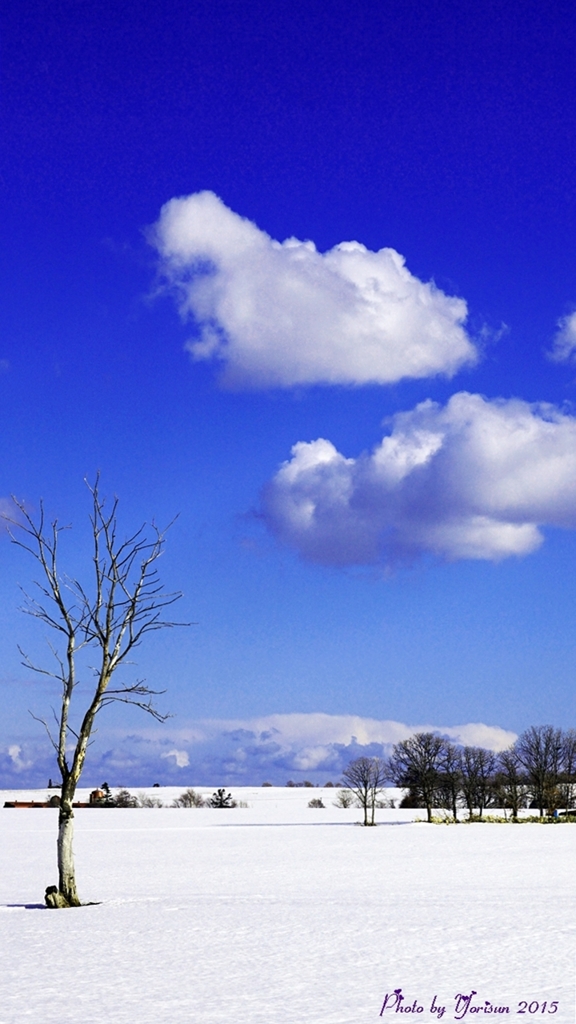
<point x="276" y="913"/>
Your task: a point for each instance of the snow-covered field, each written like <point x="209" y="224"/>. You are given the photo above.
<point x="279" y="914"/>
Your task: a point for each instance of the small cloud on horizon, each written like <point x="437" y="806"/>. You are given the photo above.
<point x="181" y="759"/>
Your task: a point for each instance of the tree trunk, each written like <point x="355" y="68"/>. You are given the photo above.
<point x="66" y="873"/>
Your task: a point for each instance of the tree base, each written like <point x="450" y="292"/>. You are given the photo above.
<point x="55" y="899"/>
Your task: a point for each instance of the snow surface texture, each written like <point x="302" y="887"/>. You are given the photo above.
<point x="276" y="913"/>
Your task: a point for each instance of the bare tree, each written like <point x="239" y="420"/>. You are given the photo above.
<point x="477" y="765"/>
<point x="366" y="777"/>
<point x="450" y="779"/>
<point x="125" y="602"/>
<point x="416" y="764"/>
<point x="510" y="781"/>
<point x="539" y="751"/>
<point x="568" y="775"/>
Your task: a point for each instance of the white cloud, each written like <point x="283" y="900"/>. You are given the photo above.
<point x="476" y="734"/>
<point x="278" y="747"/>
<point x="474" y="479"/>
<point x="311" y="733"/>
<point x="279" y="314"/>
<point x="227" y="752"/>
<point x="181" y="758"/>
<point x="564" y="345"/>
<point x="18" y="762"/>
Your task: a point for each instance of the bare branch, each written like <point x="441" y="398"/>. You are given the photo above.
<point x="36" y="668"/>
<point x="148" y="707"/>
<point x="45" y="724"/>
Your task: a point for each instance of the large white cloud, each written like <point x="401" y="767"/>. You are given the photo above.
<point x="276" y="748"/>
<point x="473" y="479"/>
<point x="217" y="752"/>
<point x="281" y="313"/>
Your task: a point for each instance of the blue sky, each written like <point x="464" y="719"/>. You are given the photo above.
<point x="410" y="561"/>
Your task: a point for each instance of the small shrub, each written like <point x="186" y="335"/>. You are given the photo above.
<point x="189" y="798"/>
<point x="328" y="785"/>
<point x="149" y="801"/>
<point x="125" y="799"/>
<point x="345" y="799"/>
<point x="316" y="802"/>
<point x="222" y="799"/>
<point x="266" y="784"/>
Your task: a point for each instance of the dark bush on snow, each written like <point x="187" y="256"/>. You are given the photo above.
<point x="222" y="799"/>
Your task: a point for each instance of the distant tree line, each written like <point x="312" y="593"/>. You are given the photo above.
<point x="538" y="770"/>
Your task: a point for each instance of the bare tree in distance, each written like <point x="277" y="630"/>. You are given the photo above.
<point x="366" y="777"/>
<point x="124" y="603"/>
<point x="416" y="764"/>
<point x="478" y="766"/>
<point x="539" y="750"/>
<point x="568" y="775"/>
<point x="450" y="782"/>
<point x="510" y="781"/>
